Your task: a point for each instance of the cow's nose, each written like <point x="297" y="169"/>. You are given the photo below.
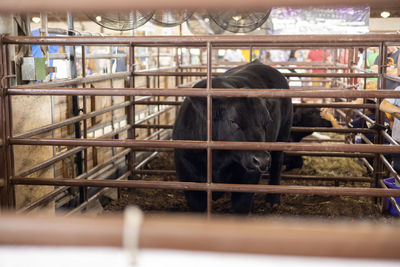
<point x="261" y="163"/>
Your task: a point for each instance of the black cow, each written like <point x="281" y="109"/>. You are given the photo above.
<point x="303" y="117"/>
<point x="234" y="119"/>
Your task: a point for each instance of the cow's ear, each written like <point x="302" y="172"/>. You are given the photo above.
<point x="199" y="104"/>
<point x="296" y="118"/>
<point x="267" y="118"/>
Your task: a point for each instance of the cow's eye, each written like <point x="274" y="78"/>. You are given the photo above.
<point x="235" y="124"/>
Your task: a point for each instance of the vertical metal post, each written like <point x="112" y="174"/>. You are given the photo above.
<point x="84" y="108"/>
<point x="75" y="106"/>
<point x="379" y="116"/>
<point x="130" y="110"/>
<point x="158" y="86"/>
<point x="112" y="97"/>
<point x="209" y="128"/>
<point x="4" y="180"/>
<point x="8" y="192"/>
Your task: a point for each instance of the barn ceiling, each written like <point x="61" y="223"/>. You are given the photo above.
<point x="54" y="16"/>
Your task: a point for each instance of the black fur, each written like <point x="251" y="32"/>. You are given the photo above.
<point x="234" y="119"/>
<point x="303" y="117"/>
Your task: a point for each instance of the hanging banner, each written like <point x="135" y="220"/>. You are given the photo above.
<point x="312" y="20"/>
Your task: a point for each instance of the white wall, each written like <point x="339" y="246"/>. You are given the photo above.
<point x="384" y="25"/>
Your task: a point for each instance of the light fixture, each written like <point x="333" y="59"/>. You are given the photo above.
<point x="36" y="19"/>
<point x="206" y="20"/>
<point x="237" y="18"/>
<point x="385" y="14"/>
<point x="98" y="18"/>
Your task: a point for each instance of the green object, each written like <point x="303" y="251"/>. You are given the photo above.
<point x="371" y="59"/>
<point x="40" y="68"/>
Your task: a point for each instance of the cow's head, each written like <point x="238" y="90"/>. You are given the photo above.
<point x="241" y="120"/>
<point x="309" y="117"/>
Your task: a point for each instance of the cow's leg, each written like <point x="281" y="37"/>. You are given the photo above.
<point x="293" y="162"/>
<point x="275" y="176"/>
<point x="243" y="202"/>
<point x="189" y="165"/>
<point x="196" y="200"/>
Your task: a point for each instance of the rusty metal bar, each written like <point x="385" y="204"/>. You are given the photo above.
<point x="256" y="188"/>
<point x="332" y="130"/>
<point x="291" y="65"/>
<point x="203" y="74"/>
<point x="283" y="176"/>
<point x="367" y="165"/>
<point x="3" y="138"/>
<point x="209" y="128"/>
<point x="43" y="200"/>
<point x="66" y="154"/>
<point x="334" y="105"/>
<point x="219" y="145"/>
<point x="8" y="148"/>
<point x="96" y="196"/>
<point x="57" y="191"/>
<point x="235" y="235"/>
<point x="76" y="81"/>
<point x="50" y="196"/>
<point x="316" y="140"/>
<point x="153" y="115"/>
<point x="201" y="41"/>
<point x="389" y="138"/>
<point x="154" y="126"/>
<point x="75" y="119"/>
<point x="273" y="93"/>
<point x="293" y="129"/>
<point x="161" y="102"/>
<point x="331" y="154"/>
<point x="307" y="105"/>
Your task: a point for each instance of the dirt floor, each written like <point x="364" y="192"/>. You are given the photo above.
<point x="291" y="205"/>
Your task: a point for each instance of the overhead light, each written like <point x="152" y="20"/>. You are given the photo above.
<point x="385" y="14"/>
<point x="36" y="19"/>
<point x="237" y="18"/>
<point x="98" y="18"/>
<point x="206" y="19"/>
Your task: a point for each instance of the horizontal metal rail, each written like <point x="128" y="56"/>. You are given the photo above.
<point x="277" y="65"/>
<point x="69" y="121"/>
<point x="273" y="93"/>
<point x="296" y="237"/>
<point x="305" y="105"/>
<point x="43" y="200"/>
<point x="283" y="176"/>
<point x="87" y="56"/>
<point x="331" y="130"/>
<point x="59" y="190"/>
<point x="201" y="41"/>
<point x="331" y="154"/>
<point x="68" y="153"/>
<point x="293" y="129"/>
<point x="76" y="81"/>
<point x="50" y="196"/>
<point x="316" y="140"/>
<point x="218" y="145"/>
<point x="204" y="74"/>
<point x="248" y="188"/>
<point x="97" y="195"/>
